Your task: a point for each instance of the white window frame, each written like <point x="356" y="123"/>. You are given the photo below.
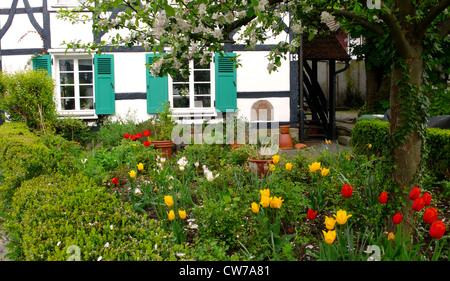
<point x="77" y="112"/>
<point x="192" y="111"/>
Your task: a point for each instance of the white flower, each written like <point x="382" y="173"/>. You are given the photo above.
<point x="182" y="162"/>
<point x="99" y="258"/>
<point x="326" y="17"/>
<point x="180" y="254"/>
<point x="111" y="227"/>
<point x="106" y="245"/>
<point x="270" y="66"/>
<point x="137" y="191"/>
<point x="59" y="243"/>
<point x="209" y="175"/>
<point x="196" y="164"/>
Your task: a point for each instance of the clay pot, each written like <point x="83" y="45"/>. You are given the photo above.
<point x="261" y="166"/>
<point x="285" y="139"/>
<point x="164" y="146"/>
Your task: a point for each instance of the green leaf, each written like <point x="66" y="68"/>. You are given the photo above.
<point x="227" y="198"/>
<point x="170" y="11"/>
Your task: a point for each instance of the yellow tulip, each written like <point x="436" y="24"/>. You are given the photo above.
<point x="171" y="215"/>
<point x="168" y="200"/>
<point x="314" y="167"/>
<point x="325" y="172"/>
<point x="341" y="216"/>
<point x="272" y="167"/>
<point x="275" y="202"/>
<point x="329" y="236"/>
<point x="255" y="207"/>
<point x="265" y="192"/>
<point x="329" y="222"/>
<point x="288" y="166"/>
<point x="391" y="236"/>
<point x="276" y="159"/>
<point x="140" y="166"/>
<point x="265" y="201"/>
<point x="132" y="174"/>
<point x="182" y="214"/>
<point x="327" y="141"/>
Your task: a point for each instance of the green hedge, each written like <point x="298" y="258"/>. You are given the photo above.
<point x="53" y="212"/>
<point x="376" y="132"/>
<point x="24" y="155"/>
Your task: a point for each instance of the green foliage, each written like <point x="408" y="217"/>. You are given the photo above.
<point x="27" y="96"/>
<point x="52" y="213"/>
<point x="111" y="132"/>
<point x="73" y="129"/>
<point x="437" y="143"/>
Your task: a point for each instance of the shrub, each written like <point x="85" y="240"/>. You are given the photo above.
<point x="52" y="213"/>
<point x="27" y="96"/>
<point x="111" y="132"/>
<point x="73" y="129"/>
<point x="376" y="132"/>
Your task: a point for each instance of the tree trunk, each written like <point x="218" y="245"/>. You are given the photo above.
<point x="406" y="111"/>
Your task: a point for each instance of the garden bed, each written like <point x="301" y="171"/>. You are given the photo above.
<point x="207" y="204"/>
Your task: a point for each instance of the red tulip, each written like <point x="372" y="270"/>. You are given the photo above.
<point x="426" y="198"/>
<point x="347" y="190"/>
<point x="115" y="181"/>
<point x="127" y="135"/>
<point x="383" y="197"/>
<point x="133" y="137"/>
<point x="138" y="135"/>
<point x="147" y="133"/>
<point x="415" y="193"/>
<point x="430" y="215"/>
<point x="147" y="143"/>
<point x="311" y="214"/>
<point x="397" y="218"/>
<point x="437" y="229"/>
<point x="418" y="204"/>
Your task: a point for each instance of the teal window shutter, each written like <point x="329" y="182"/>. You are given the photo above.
<point x="226" y="91"/>
<point x="105" y="96"/>
<point x="43" y="62"/>
<point x="157" y="88"/>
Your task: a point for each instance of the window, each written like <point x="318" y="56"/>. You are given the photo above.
<point x="75" y="85"/>
<point x="193" y="93"/>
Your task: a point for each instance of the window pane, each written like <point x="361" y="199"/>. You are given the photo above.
<point x="180" y="102"/>
<point x="179" y="78"/>
<point x="180" y="90"/>
<point x="66" y="78"/>
<point x="67" y="91"/>
<point x="66" y="65"/>
<point x="85" y="64"/>
<point x="85" y="77"/>
<point x="202" y="101"/>
<point x="87" y="104"/>
<point x="202" y="76"/>
<point x="198" y="65"/>
<point x="86" y="91"/>
<point x="68" y="104"/>
<point x="202" y="89"/>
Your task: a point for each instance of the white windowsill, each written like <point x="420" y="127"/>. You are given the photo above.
<point x="78" y="114"/>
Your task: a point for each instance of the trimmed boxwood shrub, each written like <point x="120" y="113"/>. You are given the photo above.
<point x="376" y="132"/>
<point x="24" y="155"/>
<point x="51" y="213"/>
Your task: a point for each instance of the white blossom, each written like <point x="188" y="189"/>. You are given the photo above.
<point x="326" y="17"/>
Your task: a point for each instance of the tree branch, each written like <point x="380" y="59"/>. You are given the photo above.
<point x="374" y="27"/>
<point x="397" y="34"/>
<point x="444" y="28"/>
<point x="422" y="26"/>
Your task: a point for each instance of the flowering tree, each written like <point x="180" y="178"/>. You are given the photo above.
<point x="188" y="29"/>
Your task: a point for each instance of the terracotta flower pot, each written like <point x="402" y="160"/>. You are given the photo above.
<point x="285" y="140"/>
<point x="261" y="166"/>
<point x="165" y="147"/>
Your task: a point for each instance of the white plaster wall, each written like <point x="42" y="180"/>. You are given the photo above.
<point x="63" y="30"/>
<point x="130" y="72"/>
<point x="15" y="63"/>
<point x="281" y="108"/>
<point x="21" y="27"/>
<point x="253" y="75"/>
<point x="135" y="110"/>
